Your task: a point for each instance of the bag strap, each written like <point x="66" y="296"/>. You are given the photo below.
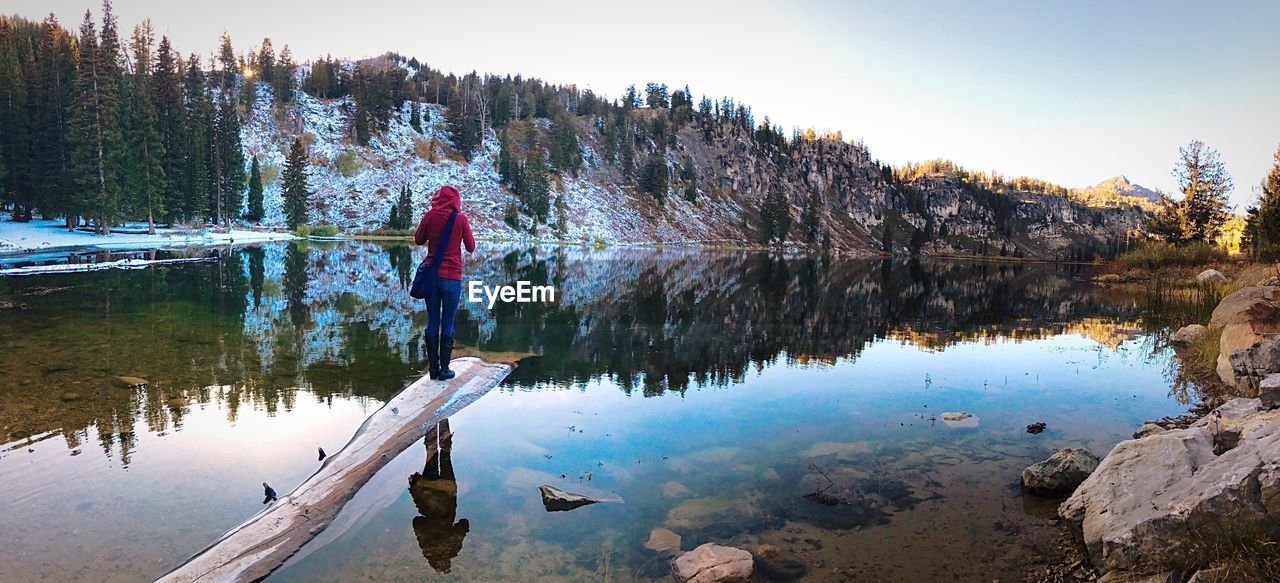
<point x="444" y="240"/>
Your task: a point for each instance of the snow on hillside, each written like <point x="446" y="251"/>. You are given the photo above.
<point x="596" y="207"/>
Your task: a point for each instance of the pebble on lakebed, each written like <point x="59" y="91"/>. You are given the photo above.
<point x="128" y="382"/>
<point x="959" y="419"/>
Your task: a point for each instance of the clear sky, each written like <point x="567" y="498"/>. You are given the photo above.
<point x="1072" y="92"/>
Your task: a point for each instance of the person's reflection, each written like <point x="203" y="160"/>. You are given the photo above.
<point x="435" y="493"/>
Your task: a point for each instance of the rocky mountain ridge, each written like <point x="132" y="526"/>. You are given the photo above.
<point x="718" y="178"/>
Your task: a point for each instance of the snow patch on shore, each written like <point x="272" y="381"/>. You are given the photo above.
<point x="41" y="234"/>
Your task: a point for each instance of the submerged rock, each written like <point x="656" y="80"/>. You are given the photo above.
<point x="715" y="517"/>
<point x="1061" y="473"/>
<point x="779" y="565"/>
<point x="1036" y="428"/>
<point x="663" y="541"/>
<point x="128" y="382"/>
<point x="713" y="563"/>
<point x="959" y="419"/>
<point x="1186" y="334"/>
<point x="1154" y="499"/>
<point x="674" y="489"/>
<point x="557" y="500"/>
<point x="70" y="396"/>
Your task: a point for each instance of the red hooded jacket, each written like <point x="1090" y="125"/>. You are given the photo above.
<point x="445" y="201"/>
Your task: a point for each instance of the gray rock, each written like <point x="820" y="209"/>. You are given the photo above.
<point x="1148" y="429"/>
<point x="1151" y="499"/>
<point x="128" y="382"/>
<point x="1061" y="473"/>
<point x="1186" y="334"/>
<point x="776" y="564"/>
<point x="1252" y="364"/>
<point x="1210" y="276"/>
<point x="557" y="500"/>
<point x="713" y="563"/>
<point x="1269" y="391"/>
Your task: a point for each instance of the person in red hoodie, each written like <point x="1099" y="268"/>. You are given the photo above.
<point x="442" y="302"/>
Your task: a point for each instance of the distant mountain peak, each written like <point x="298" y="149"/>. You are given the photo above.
<point x="1118" y="187"/>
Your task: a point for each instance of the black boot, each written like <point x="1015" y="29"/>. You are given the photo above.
<point x="446" y="354"/>
<point x="433" y="356"/>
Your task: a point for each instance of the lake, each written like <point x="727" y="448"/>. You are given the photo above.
<point x="741" y="397"/>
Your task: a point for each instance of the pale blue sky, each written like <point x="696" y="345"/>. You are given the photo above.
<point x="1073" y="92"/>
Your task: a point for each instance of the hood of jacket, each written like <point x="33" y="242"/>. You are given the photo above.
<point x="446" y="200"/>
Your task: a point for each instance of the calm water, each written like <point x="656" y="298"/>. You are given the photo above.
<point x="734" y="397"/>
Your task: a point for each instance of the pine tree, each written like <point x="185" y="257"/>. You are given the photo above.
<point x="144" y="172"/>
<point x="886" y="239"/>
<point x="255" y="211"/>
<point x="653" y="177"/>
<point x="565" y="153"/>
<point x="283" y="84"/>
<point x="775" y="215"/>
<point x="811" y="226"/>
<point x="166" y="94"/>
<point x="297" y="197"/>
<point x="1204" y="182"/>
<point x="405" y="208"/>
<point x="1264" y="221"/>
<point x="536" y="191"/>
<point x="198" y="114"/>
<point x="230" y="157"/>
<point x="508" y="167"/>
<point x="415" y="117"/>
<point x="15" y="127"/>
<point x="51" y="151"/>
<point x="95" y="122"/>
<point x="393" y="218"/>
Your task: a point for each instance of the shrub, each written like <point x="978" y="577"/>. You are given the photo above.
<point x="347" y="164"/>
<point x="317" y="231"/>
<point x="270" y="173"/>
<point x="1158" y="254"/>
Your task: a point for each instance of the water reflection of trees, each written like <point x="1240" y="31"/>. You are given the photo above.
<point x="264" y="323"/>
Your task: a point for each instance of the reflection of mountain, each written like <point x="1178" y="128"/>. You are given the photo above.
<point x="337" y="320"/>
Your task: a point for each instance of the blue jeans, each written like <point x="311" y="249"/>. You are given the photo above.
<point x="442" y="306"/>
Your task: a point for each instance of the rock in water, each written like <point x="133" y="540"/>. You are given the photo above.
<point x="663" y="541"/>
<point x="1153" y="500"/>
<point x="959" y="420"/>
<point x="128" y="382"/>
<point x="70" y="396"/>
<point x="322" y="454"/>
<point x="557" y="500"/>
<point x="1210" y="276"/>
<point x="713" y="563"/>
<point x="269" y="495"/>
<point x="1061" y="473"/>
<point x="1036" y="428"/>
<point x="1186" y="334"/>
<point x="779" y="565"/>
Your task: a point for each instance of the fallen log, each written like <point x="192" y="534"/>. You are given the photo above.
<point x="262" y="543"/>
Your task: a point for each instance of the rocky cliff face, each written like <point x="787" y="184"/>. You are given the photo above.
<point x="857" y="200"/>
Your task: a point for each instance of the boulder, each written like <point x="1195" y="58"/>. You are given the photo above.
<point x="1186" y="334"/>
<point x="1151" y="499"/>
<point x="1250" y="365"/>
<point x="1210" y="276"/>
<point x="713" y="563"/>
<point x="1148" y="429"/>
<point x="1269" y="391"/>
<point x="557" y="500"/>
<point x="1245" y="317"/>
<point x="1061" y="473"/>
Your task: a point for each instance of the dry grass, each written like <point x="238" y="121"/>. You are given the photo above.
<point x="425" y="149"/>
<point x="1200" y="357"/>
<point x="1231" y="552"/>
<point x="1157" y="254"/>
